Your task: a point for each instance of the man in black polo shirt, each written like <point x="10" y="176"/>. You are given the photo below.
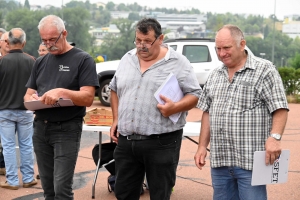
<point x="69" y="73"/>
<point x="15" y="69"/>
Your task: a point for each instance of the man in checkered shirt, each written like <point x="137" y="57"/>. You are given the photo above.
<point x="245" y="110"/>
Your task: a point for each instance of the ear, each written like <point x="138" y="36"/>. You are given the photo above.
<point x="161" y="38"/>
<point x="23" y="45"/>
<point x="65" y="33"/>
<point x="243" y="44"/>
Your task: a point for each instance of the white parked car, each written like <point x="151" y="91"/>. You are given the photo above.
<point x="199" y="51"/>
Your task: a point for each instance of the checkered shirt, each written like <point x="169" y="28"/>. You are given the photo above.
<point x="137" y="108"/>
<point x="240" y="112"/>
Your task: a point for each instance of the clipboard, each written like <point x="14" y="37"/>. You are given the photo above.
<point x="271" y="174"/>
<point x="37" y="105"/>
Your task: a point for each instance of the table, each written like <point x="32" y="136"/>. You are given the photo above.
<point x="190" y="129"/>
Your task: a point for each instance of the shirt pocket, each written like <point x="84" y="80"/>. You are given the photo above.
<point x="243" y="97"/>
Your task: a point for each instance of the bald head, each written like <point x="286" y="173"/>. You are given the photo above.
<point x="16" y="38"/>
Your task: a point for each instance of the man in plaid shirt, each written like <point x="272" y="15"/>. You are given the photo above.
<point x="245" y="110"/>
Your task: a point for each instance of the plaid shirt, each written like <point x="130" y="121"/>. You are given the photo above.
<point x="240" y="112"/>
<point x="137" y="108"/>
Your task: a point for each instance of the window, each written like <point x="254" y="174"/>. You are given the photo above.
<point x="174" y="47"/>
<point x="196" y="53"/>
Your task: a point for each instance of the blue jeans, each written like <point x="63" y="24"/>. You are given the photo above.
<point x="233" y="183"/>
<point x="10" y="122"/>
<point x="56" y="145"/>
<point x="2" y="163"/>
<point x="158" y="158"/>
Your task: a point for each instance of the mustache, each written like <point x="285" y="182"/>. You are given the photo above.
<point x="53" y="48"/>
<point x="145" y="49"/>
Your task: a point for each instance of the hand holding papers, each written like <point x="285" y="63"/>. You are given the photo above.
<point x="170" y="89"/>
<point x="271" y="174"/>
<point x="37" y="104"/>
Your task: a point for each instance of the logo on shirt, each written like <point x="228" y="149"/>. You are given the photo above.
<point x="62" y="68"/>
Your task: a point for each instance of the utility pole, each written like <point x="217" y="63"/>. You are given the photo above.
<point x="273" y="41"/>
<point x="62" y="12"/>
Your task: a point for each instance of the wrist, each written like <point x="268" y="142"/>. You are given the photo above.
<point x="276" y="136"/>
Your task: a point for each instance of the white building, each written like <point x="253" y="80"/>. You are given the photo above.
<point x="291" y="28"/>
<point x="100" y="33"/>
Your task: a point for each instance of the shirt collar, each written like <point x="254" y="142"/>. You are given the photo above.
<point x="249" y="63"/>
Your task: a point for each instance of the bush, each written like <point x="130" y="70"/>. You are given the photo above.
<point x="290" y="78"/>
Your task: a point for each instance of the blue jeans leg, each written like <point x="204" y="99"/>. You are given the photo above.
<point x="10" y="121"/>
<point x="2" y="163"/>
<point x="56" y="145"/>
<point x="234" y="183"/>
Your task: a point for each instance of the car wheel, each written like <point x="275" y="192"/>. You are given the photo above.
<point x="104" y="92"/>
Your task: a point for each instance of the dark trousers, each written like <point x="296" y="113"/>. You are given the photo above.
<point x="56" y="146"/>
<point x="157" y="157"/>
<point x="2" y="163"/>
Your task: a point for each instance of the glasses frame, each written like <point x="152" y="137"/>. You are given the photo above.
<point x="144" y="44"/>
<point x="50" y="43"/>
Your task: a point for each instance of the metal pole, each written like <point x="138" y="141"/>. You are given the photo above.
<point x="62" y="12"/>
<point x="273" y="32"/>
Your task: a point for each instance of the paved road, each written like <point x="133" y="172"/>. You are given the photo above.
<point x="191" y="183"/>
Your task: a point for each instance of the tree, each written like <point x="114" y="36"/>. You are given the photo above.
<point x="115" y="47"/>
<point x="26" y="4"/>
<point x="295" y="62"/>
<point x="110" y="6"/>
<point x="133" y="16"/>
<point x="28" y="21"/>
<point x="76" y="22"/>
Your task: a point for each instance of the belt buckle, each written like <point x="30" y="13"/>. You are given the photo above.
<point x="128" y="137"/>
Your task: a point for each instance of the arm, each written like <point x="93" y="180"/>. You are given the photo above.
<point x="169" y="108"/>
<point x="273" y="147"/>
<point x="31" y="95"/>
<point x="83" y="97"/>
<point x="114" y="102"/>
<point x="203" y="141"/>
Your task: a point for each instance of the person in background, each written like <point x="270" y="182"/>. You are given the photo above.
<point x="69" y="73"/>
<point x="42" y="50"/>
<point x="15" y="69"/>
<point x="148" y="141"/>
<point x="2" y="163"/>
<point x="3" y="44"/>
<point x="244" y="110"/>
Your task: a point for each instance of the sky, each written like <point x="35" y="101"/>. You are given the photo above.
<point x="255" y="7"/>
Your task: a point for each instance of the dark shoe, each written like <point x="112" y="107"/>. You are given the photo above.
<point x="2" y="171"/>
<point x="7" y="186"/>
<point x="32" y="183"/>
<point x="38" y="176"/>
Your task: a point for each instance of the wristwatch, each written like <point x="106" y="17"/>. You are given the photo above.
<point x="276" y="136"/>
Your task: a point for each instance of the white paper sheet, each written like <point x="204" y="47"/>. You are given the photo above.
<point x="170" y="89"/>
<point x="271" y="174"/>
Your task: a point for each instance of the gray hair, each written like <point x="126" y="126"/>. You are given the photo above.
<point x="2" y="30"/>
<point x="52" y="20"/>
<point x="235" y="32"/>
<point x="14" y="38"/>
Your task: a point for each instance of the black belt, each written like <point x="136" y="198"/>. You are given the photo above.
<point x="149" y="137"/>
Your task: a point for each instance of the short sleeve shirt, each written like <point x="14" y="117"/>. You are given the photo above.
<point x="240" y="112"/>
<point x="137" y="108"/>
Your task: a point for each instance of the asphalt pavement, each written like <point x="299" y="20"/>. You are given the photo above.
<point x="191" y="183"/>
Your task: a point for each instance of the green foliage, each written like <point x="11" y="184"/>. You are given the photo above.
<point x="295" y="62"/>
<point x="110" y="6"/>
<point x="115" y="47"/>
<point x="76" y="22"/>
<point x="102" y="18"/>
<point x="28" y="21"/>
<point x="290" y="78"/>
<point x="26" y="4"/>
<point x="134" y="16"/>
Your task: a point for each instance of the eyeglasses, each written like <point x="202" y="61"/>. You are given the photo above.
<point x="3" y="40"/>
<point x="52" y="41"/>
<point x="144" y="44"/>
